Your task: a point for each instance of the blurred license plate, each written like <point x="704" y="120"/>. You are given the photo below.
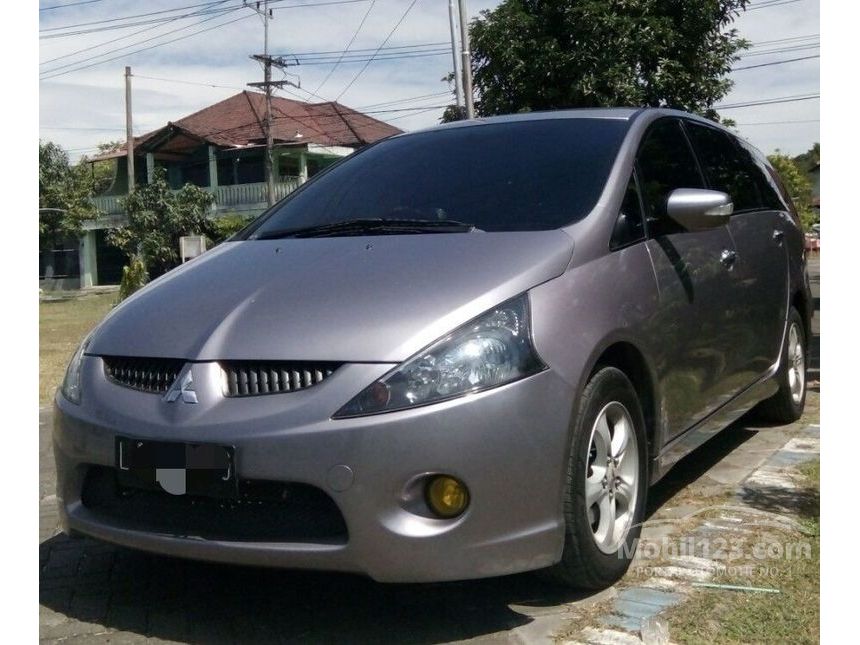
<point x="177" y="468"/>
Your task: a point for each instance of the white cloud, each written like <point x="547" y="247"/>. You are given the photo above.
<point x="93" y="98"/>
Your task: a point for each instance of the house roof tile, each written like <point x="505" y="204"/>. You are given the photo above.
<point x="238" y="121"/>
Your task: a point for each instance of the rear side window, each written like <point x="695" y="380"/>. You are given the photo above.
<point x="724" y="166"/>
<point x="665" y="163"/>
<point x="767" y="179"/>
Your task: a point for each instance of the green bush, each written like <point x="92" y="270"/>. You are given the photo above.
<point x="134" y="277"/>
<point x="228" y="225"/>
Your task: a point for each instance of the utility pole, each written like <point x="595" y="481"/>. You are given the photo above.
<point x="129" y="132"/>
<point x="467" y="61"/>
<point x="267" y="85"/>
<point x="458" y="87"/>
<point x="266" y="13"/>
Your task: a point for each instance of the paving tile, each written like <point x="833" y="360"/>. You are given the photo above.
<point x="654" y="597"/>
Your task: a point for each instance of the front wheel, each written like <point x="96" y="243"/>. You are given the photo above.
<point x="606" y="486"/>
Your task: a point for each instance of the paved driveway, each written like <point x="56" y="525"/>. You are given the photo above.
<point x="92" y="592"/>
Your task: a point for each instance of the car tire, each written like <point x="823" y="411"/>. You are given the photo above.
<point x="593" y="556"/>
<point x="787" y="404"/>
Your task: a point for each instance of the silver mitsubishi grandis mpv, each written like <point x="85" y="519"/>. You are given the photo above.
<point x="457" y="353"/>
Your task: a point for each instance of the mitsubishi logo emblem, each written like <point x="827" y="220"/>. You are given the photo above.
<point x="183" y="387"/>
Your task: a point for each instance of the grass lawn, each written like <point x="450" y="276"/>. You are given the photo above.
<point x="792" y="616"/>
<point x="62" y="326"/>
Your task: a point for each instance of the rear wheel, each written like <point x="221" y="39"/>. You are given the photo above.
<point x="606" y="484"/>
<point x="787" y="404"/>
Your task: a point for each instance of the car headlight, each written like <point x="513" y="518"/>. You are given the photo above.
<point x="71" y="387"/>
<point x="493" y="349"/>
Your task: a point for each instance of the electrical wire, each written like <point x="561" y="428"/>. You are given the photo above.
<point x="772" y="101"/>
<point x="134" y="44"/>
<point x="71" y="4"/>
<point x="777" y="62"/>
<point x="384" y="42"/>
<point x="108" y="42"/>
<point x="137" y="51"/>
<point x="349" y="44"/>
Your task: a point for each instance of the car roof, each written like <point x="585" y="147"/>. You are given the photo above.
<point x="614" y="113"/>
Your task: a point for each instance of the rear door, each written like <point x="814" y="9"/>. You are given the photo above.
<point x="760" y="273"/>
<point x="696" y="321"/>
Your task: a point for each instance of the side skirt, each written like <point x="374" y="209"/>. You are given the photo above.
<point x="711" y="425"/>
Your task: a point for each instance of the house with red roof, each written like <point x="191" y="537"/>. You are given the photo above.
<point x="221" y="148"/>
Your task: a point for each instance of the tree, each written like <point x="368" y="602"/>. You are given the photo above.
<point x="809" y="160"/>
<point x="102" y="172"/>
<point x="64" y="196"/>
<point x="798" y="186"/>
<point x="542" y="55"/>
<point x="157" y="218"/>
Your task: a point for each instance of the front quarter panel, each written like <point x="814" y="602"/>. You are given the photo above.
<point x="577" y="316"/>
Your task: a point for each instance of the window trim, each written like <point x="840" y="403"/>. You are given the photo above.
<point x="646" y="208"/>
<point x="645" y="236"/>
<point x="733" y="140"/>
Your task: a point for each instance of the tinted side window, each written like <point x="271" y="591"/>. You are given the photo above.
<point x="766" y="178"/>
<point x="630" y="225"/>
<point x="665" y="163"/>
<point x="723" y="166"/>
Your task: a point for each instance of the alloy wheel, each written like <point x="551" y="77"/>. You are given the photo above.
<point x="612" y="477"/>
<point x="796" y="364"/>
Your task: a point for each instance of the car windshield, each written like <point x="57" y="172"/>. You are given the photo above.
<point x="514" y="176"/>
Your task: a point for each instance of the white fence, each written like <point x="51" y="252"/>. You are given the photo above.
<point x="238" y="197"/>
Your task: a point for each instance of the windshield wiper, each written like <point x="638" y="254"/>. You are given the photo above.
<point x="364" y="226"/>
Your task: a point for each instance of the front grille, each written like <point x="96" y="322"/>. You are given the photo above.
<point x="264" y="511"/>
<point x="252" y="378"/>
<point x="146" y="374"/>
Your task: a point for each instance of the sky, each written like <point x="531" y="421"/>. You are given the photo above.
<point x="82" y="92"/>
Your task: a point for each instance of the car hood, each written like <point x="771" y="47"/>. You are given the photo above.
<point x="350" y="299"/>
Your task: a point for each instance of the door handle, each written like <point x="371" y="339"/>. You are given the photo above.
<point x="728" y="257"/>
<point x="778" y="236"/>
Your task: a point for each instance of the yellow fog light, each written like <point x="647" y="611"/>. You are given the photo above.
<point x="446" y="496"/>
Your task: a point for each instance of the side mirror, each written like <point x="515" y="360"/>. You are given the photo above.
<point x="697" y="209"/>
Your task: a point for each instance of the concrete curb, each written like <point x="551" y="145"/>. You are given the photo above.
<point x="670" y="584"/>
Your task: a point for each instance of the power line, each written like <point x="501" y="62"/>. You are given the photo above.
<point x="135" y="44"/>
<point x="781" y="50"/>
<point x="773" y="101"/>
<point x="139" y="15"/>
<point x="384" y="42"/>
<point x="762" y="43"/>
<point x="137" y="51"/>
<point x="310" y="105"/>
<point x="372" y="49"/>
<point x="778" y="62"/>
<point x="207" y="8"/>
<point x="349" y="44"/>
<point x="772" y="3"/>
<point x="366" y="59"/>
<point x="406" y="116"/>
<point x="781" y="122"/>
<point x="176" y="80"/>
<point x="71" y="4"/>
<point x="406" y="100"/>
<point x="113" y="40"/>
<point x="362" y="56"/>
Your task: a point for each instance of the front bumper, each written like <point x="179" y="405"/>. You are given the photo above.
<point x="509" y="445"/>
